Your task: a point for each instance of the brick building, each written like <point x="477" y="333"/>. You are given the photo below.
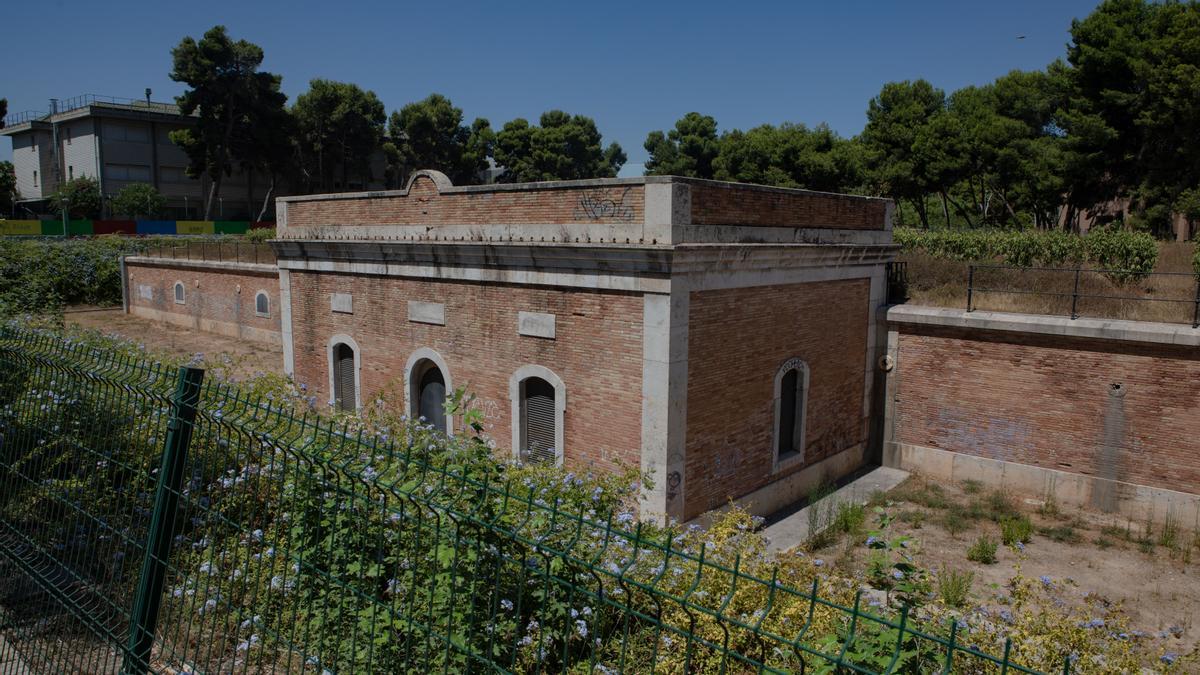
<point x="719" y="336"/>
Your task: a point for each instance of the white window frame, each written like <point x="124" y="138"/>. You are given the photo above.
<point x="797" y="457"/>
<point x="262" y="294"/>
<point x="334" y="341"/>
<point x="179" y="292"/>
<point x="413" y="370"/>
<point x="515" y="389"/>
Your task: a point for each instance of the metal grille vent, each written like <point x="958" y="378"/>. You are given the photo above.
<point x="538" y="422"/>
<point x="343" y="378"/>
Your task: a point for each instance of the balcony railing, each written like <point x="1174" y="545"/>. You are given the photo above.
<point x="216" y="251"/>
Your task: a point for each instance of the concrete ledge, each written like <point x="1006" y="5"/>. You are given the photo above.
<point x="204" y="265"/>
<point x="1039" y="324"/>
<point x="1138" y="502"/>
<point x="225" y="328"/>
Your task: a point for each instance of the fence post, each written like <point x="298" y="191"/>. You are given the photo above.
<point x="1196" y="311"/>
<point x="970" y="286"/>
<point x="148" y="599"/>
<point x="1075" y="296"/>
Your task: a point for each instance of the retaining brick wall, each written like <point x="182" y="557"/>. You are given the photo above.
<point x="737" y="340"/>
<point x="1045" y="401"/>
<point x="217" y="299"/>
<point x="597" y="351"/>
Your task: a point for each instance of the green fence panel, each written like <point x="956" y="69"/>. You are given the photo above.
<point x="285" y="543"/>
<point x="231" y="226"/>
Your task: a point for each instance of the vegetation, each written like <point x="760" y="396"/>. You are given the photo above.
<point x="79" y="197"/>
<point x="430" y="134"/>
<point x="233" y="100"/>
<point x="983" y="550"/>
<point x="1132" y="252"/>
<point x="560" y="147"/>
<point x="138" y="200"/>
<point x="954" y="586"/>
<point x="1016" y="530"/>
<point x="8" y="186"/>
<point x="338" y="127"/>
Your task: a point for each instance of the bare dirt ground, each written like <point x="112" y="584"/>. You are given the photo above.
<point x="240" y="358"/>
<point x="1150" y="570"/>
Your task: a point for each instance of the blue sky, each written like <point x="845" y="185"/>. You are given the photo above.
<point x="632" y="66"/>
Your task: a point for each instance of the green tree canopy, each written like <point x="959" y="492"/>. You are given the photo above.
<point x="430" y="134"/>
<point x="79" y="197"/>
<point x="687" y="150"/>
<point x="3" y="111"/>
<point x="339" y="127"/>
<point x="898" y="140"/>
<point x="138" y="200"/>
<point x="232" y="100"/>
<point x="790" y="155"/>
<point x="8" y="187"/>
<point x="563" y="147"/>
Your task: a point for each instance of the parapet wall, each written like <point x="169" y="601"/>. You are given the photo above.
<point x="1092" y="412"/>
<point x="654" y="210"/>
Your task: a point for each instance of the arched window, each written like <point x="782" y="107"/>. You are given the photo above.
<point x="179" y="293"/>
<point x="538" y="410"/>
<point x="262" y="304"/>
<point x="428" y="383"/>
<point x="791" y="399"/>
<point x="344" y="364"/>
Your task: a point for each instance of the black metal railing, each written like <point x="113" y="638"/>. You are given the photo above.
<point x="1104" y="291"/>
<point x="217" y="251"/>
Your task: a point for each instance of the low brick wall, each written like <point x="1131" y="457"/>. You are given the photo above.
<point x="218" y="297"/>
<point x="1105" y="413"/>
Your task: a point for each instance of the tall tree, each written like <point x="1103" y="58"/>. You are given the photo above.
<point x="898" y="138"/>
<point x="139" y="200"/>
<point x="3" y="111"/>
<point x="563" y="147"/>
<point x="8" y="187"/>
<point x="230" y="97"/>
<point x="340" y="127"/>
<point x="430" y="134"/>
<point x="687" y="150"/>
<point x="790" y="155"/>
<point x="79" y="197"/>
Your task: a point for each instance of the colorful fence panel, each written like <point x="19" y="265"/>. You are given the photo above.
<point x="231" y="226"/>
<point x="114" y="226"/>
<point x="194" y="227"/>
<point x="156" y="227"/>
<point x="20" y="227"/>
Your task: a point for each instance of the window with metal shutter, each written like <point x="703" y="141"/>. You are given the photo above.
<point x="343" y="377"/>
<point x="432" y="400"/>
<point x="539" y="425"/>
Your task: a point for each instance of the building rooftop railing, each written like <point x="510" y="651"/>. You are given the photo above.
<point x="85" y="100"/>
<point x="216" y="251"/>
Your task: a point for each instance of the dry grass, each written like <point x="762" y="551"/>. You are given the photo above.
<point x="943" y="283"/>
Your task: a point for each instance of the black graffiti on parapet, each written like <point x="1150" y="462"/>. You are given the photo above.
<point x="599" y="204"/>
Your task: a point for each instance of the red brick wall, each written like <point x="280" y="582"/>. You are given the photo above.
<point x="425" y="206"/>
<point x="597" y="351"/>
<point x="212" y="295"/>
<point x="737" y="340"/>
<point x="1042" y="401"/>
<point x="739" y="205"/>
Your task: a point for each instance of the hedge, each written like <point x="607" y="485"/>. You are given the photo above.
<point x="1131" y="255"/>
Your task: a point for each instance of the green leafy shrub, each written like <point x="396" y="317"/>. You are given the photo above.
<point x="260" y="234"/>
<point x="1018" y="530"/>
<point x="983" y="550"/>
<point x="954" y="586"/>
<point x="850" y="517"/>
<point x="1133" y="253"/>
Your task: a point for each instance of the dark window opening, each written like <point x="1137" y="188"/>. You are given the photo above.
<point x="789" y="439"/>
<point x="431" y="399"/>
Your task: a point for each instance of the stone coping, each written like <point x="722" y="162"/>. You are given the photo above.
<point x="1099" y="329"/>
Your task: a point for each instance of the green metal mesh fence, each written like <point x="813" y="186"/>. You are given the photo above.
<point x="149" y="524"/>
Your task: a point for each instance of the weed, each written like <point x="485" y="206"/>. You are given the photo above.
<point x="1049" y="507"/>
<point x="955" y="520"/>
<point x="1000" y="506"/>
<point x="954" y="586"/>
<point x="1103" y="542"/>
<point x="850" y="518"/>
<point x="1115" y="532"/>
<point x="1061" y="533"/>
<point x="913" y="517"/>
<point x="972" y="486"/>
<point x="983" y="550"/>
<point x="1168" y="536"/>
<point x="1018" y="530"/>
<point x="822" y="512"/>
<point x="929" y="495"/>
<point x="878" y="498"/>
